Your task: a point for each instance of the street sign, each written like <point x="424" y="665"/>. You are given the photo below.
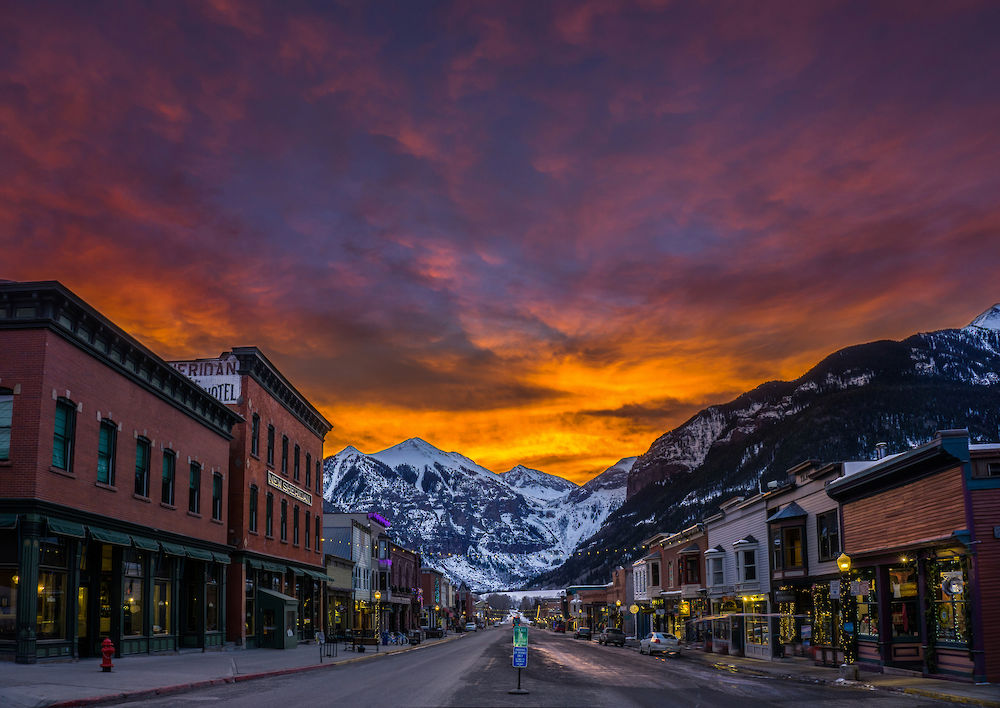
<point x="521" y="637"/>
<point x="520" y="657"/>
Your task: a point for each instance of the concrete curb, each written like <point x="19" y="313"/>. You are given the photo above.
<point x="195" y="685"/>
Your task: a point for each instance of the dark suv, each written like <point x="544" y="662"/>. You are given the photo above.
<point x="582" y="633"/>
<point x="611" y="636"/>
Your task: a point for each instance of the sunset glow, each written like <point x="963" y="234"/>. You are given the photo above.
<point x="535" y="233"/>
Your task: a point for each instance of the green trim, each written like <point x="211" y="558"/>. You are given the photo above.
<point x="221" y="557"/>
<point x="105" y="536"/>
<point x="8" y="521"/>
<point x="173" y="549"/>
<point x="273" y="567"/>
<point x="66" y="528"/>
<point x="199" y="554"/>
<point x="254" y="563"/>
<point x="146" y="544"/>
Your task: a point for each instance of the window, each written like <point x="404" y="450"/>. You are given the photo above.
<point x="255" y="435"/>
<point x="162" y="593"/>
<point x="284" y="520"/>
<point x="212" y="598"/>
<point x="316" y="528"/>
<point x="949" y="602"/>
<point x="270" y="445"/>
<point x="6" y="421"/>
<point x="690" y="569"/>
<point x="867" y="604"/>
<point x="253" y="508"/>
<point x="167" y="477"/>
<point x="50" y="617"/>
<point x="107" y="440"/>
<point x="250" y="593"/>
<point x="269" y="516"/>
<point x="715" y="570"/>
<point x="319" y="479"/>
<point x="828" y="535"/>
<point x="787" y="547"/>
<point x="992" y="468"/>
<point x="284" y="455"/>
<point x="142" y="467"/>
<point x="295" y="463"/>
<point x="295" y="525"/>
<point x="133" y="570"/>
<point x="62" y="441"/>
<point x="749" y="559"/>
<point x="307" y="528"/>
<point x="903" y="602"/>
<point x="670" y="574"/>
<point x="217" y="496"/>
<point x="308" y="471"/>
<point x="654" y="574"/>
<point x="194" y="489"/>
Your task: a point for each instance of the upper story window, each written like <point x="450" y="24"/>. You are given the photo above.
<point x="270" y="445"/>
<point x="269" y="516"/>
<point x="654" y="574"/>
<point x="255" y="435"/>
<point x="319" y="479"/>
<point x="217" y="496"/>
<point x="316" y="529"/>
<point x="252" y="525"/>
<point x="828" y="535"/>
<point x="308" y="529"/>
<point x="65" y="430"/>
<point x="6" y="421"/>
<point x="295" y="463"/>
<point x="284" y="520"/>
<point x="690" y="568"/>
<point x="308" y="471"/>
<point x="295" y="525"/>
<point x="194" y="488"/>
<point x="107" y="441"/>
<point x="715" y="570"/>
<point x="284" y="455"/>
<point x="167" y="478"/>
<point x="788" y="548"/>
<point x="748" y="564"/>
<point x="142" y="467"/>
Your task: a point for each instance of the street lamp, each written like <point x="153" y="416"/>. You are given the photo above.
<point x="378" y="618"/>
<point x="848" y="611"/>
<point x="618" y="613"/>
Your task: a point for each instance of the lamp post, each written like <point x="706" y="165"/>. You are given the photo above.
<point x="618" y="614"/>
<point x="849" y="669"/>
<point x="378" y="618"/>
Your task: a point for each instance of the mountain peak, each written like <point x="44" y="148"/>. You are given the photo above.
<point x="990" y="319"/>
<point x="349" y="450"/>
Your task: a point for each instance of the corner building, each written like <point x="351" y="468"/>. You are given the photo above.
<point x="113" y="477"/>
<point x="277" y="578"/>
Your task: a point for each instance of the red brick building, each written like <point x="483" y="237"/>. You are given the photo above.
<point x="113" y="478"/>
<point x="275" y="498"/>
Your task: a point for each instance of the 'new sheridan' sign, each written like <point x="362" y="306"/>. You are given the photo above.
<point x="282" y="484"/>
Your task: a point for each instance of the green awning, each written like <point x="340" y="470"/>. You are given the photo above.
<point x="273" y="567"/>
<point x="66" y="528"/>
<point x="254" y="563"/>
<point x="146" y="544"/>
<point x="173" y="549"/>
<point x="198" y="554"/>
<point x="317" y="575"/>
<point x="8" y="521"/>
<point x="221" y="557"/>
<point x="105" y="536"/>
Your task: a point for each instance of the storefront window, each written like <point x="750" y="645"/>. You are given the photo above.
<point x="949" y="602"/>
<point x="757" y="630"/>
<point x="51" y="609"/>
<point x="212" y="598"/>
<point x="903" y="605"/>
<point x="825" y="613"/>
<point x="162" y="595"/>
<point x="133" y="572"/>
<point x="8" y="584"/>
<point x="250" y="592"/>
<point x="867" y="596"/>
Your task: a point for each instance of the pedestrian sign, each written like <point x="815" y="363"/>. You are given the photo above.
<point x="521" y="637"/>
<point x="520" y="657"/>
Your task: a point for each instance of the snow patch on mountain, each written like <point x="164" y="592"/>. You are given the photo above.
<point x="990" y="319"/>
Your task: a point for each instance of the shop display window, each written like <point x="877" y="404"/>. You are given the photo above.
<point x="133" y="573"/>
<point x="948" y="590"/>
<point x="867" y="596"/>
<point x="903" y="604"/>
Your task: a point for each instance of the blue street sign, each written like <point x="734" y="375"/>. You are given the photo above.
<point x="520" y="657"/>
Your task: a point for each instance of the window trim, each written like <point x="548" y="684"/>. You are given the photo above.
<point x="270" y="444"/>
<point x="217" y="498"/>
<point x="269" y="515"/>
<point x="141" y="487"/>
<point x="111" y="427"/>
<point x="833" y="552"/>
<point x="255" y="436"/>
<point x="68" y="439"/>
<point x="171" y="456"/>
<point x="283" y="521"/>
<point x="254" y="502"/>
<point x="194" y="488"/>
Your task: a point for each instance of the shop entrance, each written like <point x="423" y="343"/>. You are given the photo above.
<point x="192" y="605"/>
<point x="97" y="596"/>
<point x="279" y="619"/>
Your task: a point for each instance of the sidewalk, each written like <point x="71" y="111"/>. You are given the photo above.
<point x="805" y="671"/>
<point x="81" y="683"/>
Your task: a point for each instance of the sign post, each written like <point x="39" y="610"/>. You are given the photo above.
<point x="520" y="660"/>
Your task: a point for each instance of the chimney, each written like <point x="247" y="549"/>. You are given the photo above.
<point x="880" y="450"/>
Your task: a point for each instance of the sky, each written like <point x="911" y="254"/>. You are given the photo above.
<point x="538" y="233"/>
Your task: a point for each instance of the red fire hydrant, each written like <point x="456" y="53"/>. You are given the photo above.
<point x="107" y="651"/>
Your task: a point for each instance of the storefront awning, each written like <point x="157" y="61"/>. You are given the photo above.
<point x="317" y="575"/>
<point x="105" y="536"/>
<point x="272" y="567"/>
<point x="254" y="563"/>
<point x="221" y="557"/>
<point x="173" y="549"/>
<point x="198" y="554"/>
<point x="66" y="528"/>
<point x="146" y="544"/>
<point x="8" y="521"/>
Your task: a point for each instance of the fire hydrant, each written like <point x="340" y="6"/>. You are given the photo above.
<point x="107" y="651"/>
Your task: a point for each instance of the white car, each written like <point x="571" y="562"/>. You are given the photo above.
<point x="659" y="643"/>
<point x="471" y="627"/>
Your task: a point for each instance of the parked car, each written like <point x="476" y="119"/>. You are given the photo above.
<point x="611" y="636"/>
<point x="659" y="643"/>
<point x="582" y="633"/>
<point x="471" y="627"/>
<point x="559" y="627"/>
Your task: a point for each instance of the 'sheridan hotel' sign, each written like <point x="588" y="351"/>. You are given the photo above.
<point x="220" y="377"/>
<point x="282" y="484"/>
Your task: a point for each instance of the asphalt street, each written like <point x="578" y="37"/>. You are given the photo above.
<point x="562" y="671"/>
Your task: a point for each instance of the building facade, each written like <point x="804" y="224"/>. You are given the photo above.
<point x="114" y="477"/>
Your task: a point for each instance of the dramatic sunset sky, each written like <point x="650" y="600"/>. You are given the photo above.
<point x="531" y="232"/>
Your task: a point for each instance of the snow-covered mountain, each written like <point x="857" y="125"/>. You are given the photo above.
<point x="490" y="530"/>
